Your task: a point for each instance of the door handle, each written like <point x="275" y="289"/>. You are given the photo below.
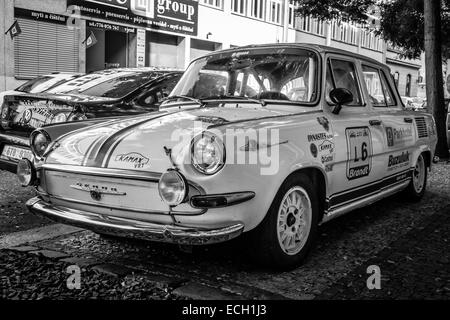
<point x="408" y="120"/>
<point x="375" y="122"/>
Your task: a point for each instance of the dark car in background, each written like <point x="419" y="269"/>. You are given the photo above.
<point x="41" y="84"/>
<point x="104" y="94"/>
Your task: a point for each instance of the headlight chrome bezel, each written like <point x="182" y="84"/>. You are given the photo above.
<point x="34" y="135"/>
<point x="219" y="145"/>
<point x="26" y="165"/>
<point x="179" y="178"/>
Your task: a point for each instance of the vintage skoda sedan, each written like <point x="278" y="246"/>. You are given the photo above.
<point x="265" y="142"/>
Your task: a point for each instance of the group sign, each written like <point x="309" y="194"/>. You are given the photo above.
<point x="180" y="16"/>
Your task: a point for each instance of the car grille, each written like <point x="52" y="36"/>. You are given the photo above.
<point x="421" y="126"/>
<point x="117" y="194"/>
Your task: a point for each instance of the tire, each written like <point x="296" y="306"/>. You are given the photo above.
<point x="287" y="233"/>
<point x="416" y="188"/>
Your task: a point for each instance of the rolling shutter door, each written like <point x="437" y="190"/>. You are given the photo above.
<point x="44" y="48"/>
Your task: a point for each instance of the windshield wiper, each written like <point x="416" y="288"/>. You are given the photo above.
<point x="223" y="96"/>
<point x="198" y="101"/>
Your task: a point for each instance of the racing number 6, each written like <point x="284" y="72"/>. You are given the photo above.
<point x="364" y="153"/>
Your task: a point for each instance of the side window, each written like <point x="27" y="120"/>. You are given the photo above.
<point x="342" y="74"/>
<point x="156" y="95"/>
<point x="377" y="87"/>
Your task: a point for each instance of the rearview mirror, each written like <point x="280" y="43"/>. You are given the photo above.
<point x="340" y="97"/>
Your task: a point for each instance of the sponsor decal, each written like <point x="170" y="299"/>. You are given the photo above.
<point x="398" y="161"/>
<point x="329" y="167"/>
<point x="359" y="152"/>
<point x="314" y="150"/>
<point x="390" y="137"/>
<point x="134" y="158"/>
<point x="396" y="135"/>
<point x="323" y="121"/>
<point x="319" y="136"/>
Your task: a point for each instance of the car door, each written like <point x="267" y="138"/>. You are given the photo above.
<point x="358" y="137"/>
<point x="397" y="123"/>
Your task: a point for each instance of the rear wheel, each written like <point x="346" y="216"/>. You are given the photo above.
<point x="287" y="233"/>
<point x="416" y="188"/>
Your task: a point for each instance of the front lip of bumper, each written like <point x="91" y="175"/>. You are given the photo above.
<point x="134" y="229"/>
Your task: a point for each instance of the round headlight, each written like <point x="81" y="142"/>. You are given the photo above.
<point x="26" y="172"/>
<point x="173" y="188"/>
<point x="207" y="153"/>
<point x="39" y="143"/>
<point x="60" y="117"/>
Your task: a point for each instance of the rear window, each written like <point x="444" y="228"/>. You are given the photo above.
<point x="28" y="86"/>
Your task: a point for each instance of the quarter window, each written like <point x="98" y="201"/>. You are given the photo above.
<point x="342" y="74"/>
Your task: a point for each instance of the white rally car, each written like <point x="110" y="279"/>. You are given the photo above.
<point x="268" y="140"/>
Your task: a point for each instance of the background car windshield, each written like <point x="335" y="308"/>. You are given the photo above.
<point x="116" y="87"/>
<point x="258" y="74"/>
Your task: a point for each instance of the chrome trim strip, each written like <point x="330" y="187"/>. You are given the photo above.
<point x="134" y="228"/>
<point x="104" y="172"/>
<point x="364" y="201"/>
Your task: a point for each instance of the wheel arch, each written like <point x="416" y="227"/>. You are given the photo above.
<point x="319" y="180"/>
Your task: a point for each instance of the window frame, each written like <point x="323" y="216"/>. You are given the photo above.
<point x="356" y="66"/>
<point x="384" y="79"/>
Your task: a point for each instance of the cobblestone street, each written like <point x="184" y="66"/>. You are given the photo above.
<point x="409" y="242"/>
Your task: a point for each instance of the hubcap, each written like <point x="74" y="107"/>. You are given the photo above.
<point x="419" y="175"/>
<point x="294" y="220"/>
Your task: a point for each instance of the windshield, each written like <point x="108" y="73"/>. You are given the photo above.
<point x="116" y="87"/>
<point x="281" y="74"/>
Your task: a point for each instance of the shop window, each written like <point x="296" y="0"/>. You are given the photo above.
<point x="213" y="3"/>
<point x="44" y="48"/>
<point x="408" y="86"/>
<point x="163" y="50"/>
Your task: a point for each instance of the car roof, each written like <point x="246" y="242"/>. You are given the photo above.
<point x="142" y="69"/>
<point x="317" y="47"/>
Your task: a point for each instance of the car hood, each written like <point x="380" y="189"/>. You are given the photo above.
<point x="139" y="143"/>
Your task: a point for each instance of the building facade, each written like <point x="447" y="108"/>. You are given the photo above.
<point x="89" y="35"/>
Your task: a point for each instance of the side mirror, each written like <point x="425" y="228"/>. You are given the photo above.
<point x="340" y="97"/>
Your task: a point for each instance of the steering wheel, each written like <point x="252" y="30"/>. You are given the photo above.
<point x="272" y="95"/>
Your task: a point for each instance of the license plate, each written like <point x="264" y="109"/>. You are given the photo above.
<point x="16" y="153"/>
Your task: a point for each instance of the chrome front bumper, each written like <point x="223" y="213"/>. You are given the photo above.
<point x="132" y="228"/>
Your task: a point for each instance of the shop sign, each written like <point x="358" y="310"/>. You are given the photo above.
<point x="140" y="49"/>
<point x="110" y="27"/>
<point x="179" y="16"/>
<point x="41" y="16"/>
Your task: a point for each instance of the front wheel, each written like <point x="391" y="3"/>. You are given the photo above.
<point x="287" y="233"/>
<point x="416" y="188"/>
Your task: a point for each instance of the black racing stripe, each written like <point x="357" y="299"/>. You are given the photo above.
<point x="118" y="135"/>
<point x="348" y="196"/>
